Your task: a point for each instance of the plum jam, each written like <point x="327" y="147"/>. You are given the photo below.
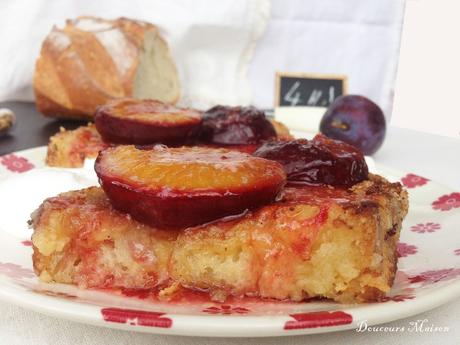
<point x="224" y="125"/>
<point x="320" y="161"/>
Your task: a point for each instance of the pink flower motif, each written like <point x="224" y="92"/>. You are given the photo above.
<point x="398" y="298"/>
<point x="412" y="181"/>
<point x="27" y="243"/>
<point x="16" y="164"/>
<point x="15" y="271"/>
<point x="447" y="202"/>
<point x="405" y="249"/>
<point x="434" y="276"/>
<point x="425" y="227"/>
<point x="457" y="251"/>
<point x="226" y="309"/>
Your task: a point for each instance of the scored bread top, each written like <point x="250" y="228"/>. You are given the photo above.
<point x="90" y="61"/>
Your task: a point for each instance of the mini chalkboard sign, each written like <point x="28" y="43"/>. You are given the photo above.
<point x="310" y="90"/>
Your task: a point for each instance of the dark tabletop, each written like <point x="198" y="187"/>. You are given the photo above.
<point x="32" y="129"/>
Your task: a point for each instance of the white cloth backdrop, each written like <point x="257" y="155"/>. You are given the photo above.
<point x="213" y="43"/>
<point x="359" y="38"/>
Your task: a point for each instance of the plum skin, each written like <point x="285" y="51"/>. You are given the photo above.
<point x="129" y="131"/>
<point x="181" y="211"/>
<point x="119" y="130"/>
<point x="357" y="121"/>
<point x="320" y="161"/>
<point x="178" y="209"/>
<point x="224" y="125"/>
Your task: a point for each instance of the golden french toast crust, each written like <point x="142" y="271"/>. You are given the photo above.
<point x="70" y="148"/>
<point x="339" y="245"/>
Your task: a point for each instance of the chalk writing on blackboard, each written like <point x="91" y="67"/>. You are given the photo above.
<point x="314" y="90"/>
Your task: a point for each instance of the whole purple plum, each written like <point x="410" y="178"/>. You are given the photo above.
<point x="355" y="120"/>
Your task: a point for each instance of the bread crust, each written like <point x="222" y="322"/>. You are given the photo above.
<point x="88" y="62"/>
<point x="70" y="148"/>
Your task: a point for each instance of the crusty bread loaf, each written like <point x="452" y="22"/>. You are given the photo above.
<point x="93" y="60"/>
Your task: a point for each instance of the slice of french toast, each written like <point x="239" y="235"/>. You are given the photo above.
<point x="70" y="148"/>
<point x="317" y="241"/>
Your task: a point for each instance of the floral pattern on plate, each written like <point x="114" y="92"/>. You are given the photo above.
<point x="405" y="249"/>
<point x="16" y="163"/>
<point x="412" y="181"/>
<point x="226" y="309"/>
<point x="422" y="228"/>
<point x="447" y="202"/>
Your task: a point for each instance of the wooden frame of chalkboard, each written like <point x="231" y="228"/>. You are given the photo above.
<point x="308" y="89"/>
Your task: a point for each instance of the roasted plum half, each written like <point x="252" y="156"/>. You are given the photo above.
<point x="318" y="161"/>
<point x="145" y="122"/>
<point x="186" y="186"/>
<point x="224" y="125"/>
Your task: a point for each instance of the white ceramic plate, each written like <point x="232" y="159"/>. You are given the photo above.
<point x="428" y="275"/>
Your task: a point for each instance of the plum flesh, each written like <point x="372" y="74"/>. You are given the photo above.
<point x="144" y="122"/>
<point x="187" y="186"/>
